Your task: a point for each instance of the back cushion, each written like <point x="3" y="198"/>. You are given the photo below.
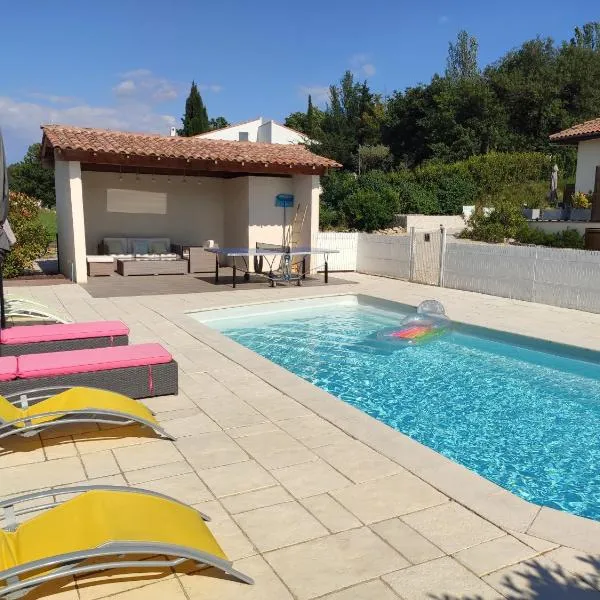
<point x="140" y="247"/>
<point x="159" y="247"/>
<point x="115" y="245"/>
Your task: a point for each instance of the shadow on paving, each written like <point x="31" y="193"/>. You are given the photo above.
<point x="532" y="580"/>
<point x="158" y="285"/>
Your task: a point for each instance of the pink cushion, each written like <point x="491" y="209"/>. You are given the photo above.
<point x="26" y="334"/>
<point x="8" y="368"/>
<point x="96" y="359"/>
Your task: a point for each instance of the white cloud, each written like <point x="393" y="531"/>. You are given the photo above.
<point x="126" y="87"/>
<point x="318" y="93"/>
<point x="52" y="98"/>
<point x="215" y="88"/>
<point x="362" y="66"/>
<point x="23" y="119"/>
<point x="145" y="86"/>
<point x="443" y="19"/>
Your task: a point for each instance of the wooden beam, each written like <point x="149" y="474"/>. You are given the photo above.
<point x="179" y="164"/>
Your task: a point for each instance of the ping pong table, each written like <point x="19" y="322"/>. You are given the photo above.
<point x="269" y="253"/>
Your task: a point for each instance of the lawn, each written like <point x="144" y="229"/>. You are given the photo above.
<point x="47" y="218"/>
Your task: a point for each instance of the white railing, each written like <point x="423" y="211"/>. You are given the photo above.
<point x="560" y="277"/>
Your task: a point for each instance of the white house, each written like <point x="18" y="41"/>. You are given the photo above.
<point x="257" y="130"/>
<point x="117" y="184"/>
<point x="587" y="137"/>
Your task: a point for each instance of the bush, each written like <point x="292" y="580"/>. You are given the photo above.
<point x="367" y="209"/>
<point x="32" y="237"/>
<point x="581" y="200"/>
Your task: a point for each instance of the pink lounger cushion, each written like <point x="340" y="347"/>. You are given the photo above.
<point x="8" y="368"/>
<point x="28" y="334"/>
<point x="84" y="361"/>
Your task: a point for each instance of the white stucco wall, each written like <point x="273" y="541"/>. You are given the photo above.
<point x="235" y="206"/>
<point x="232" y="133"/>
<point x="588" y="158"/>
<point x="307" y="191"/>
<point x="70" y="220"/>
<point x="259" y="130"/>
<point x="194" y="211"/>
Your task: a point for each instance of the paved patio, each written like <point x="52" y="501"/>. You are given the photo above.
<point x="311" y="497"/>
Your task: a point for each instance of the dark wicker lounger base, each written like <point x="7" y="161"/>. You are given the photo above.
<point x="135" y="382"/>
<point x="61" y="345"/>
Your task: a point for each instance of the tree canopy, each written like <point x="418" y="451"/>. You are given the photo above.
<point x="29" y="177"/>
<point x="511" y="105"/>
<point x="195" y="120"/>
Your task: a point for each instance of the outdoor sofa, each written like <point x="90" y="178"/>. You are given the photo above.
<point x="137" y="371"/>
<point x="35" y="339"/>
<point x="25" y="414"/>
<point x="115" y="527"/>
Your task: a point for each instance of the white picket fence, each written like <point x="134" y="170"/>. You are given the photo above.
<point x="560" y="277"/>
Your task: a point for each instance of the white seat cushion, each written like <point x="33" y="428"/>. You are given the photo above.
<point x="99" y="258"/>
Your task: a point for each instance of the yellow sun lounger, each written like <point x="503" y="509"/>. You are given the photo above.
<point x="102" y="528"/>
<point x="25" y="413"/>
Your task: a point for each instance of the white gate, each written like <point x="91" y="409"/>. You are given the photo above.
<point x="427" y="250"/>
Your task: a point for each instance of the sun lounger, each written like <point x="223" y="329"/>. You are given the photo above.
<point x="102" y="528"/>
<point x="28" y="414"/>
<point x="29" y="310"/>
<point x="34" y="339"/>
<point x="137" y="371"/>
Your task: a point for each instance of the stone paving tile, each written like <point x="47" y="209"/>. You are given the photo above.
<point x="452" y="527"/>
<point x="120" y="581"/>
<point x="208" y="585"/>
<point x="332" y="514"/>
<point x="440" y="579"/>
<point x="62" y="447"/>
<point x="334" y="562"/>
<point x="100" y="464"/>
<point x="98" y="440"/>
<point x="239" y="432"/>
<point x="151" y="473"/>
<point x="256" y="499"/>
<point x="186" y="488"/>
<point x="231" y="538"/>
<point x="236" y="478"/>
<point x="278" y="408"/>
<point x="21" y="451"/>
<point x="411" y="544"/>
<point x="190" y="425"/>
<point x="169" y="588"/>
<point x="389" y="497"/>
<point x="357" y="461"/>
<point x="230" y="412"/>
<point x="494" y="555"/>
<point x="210" y="450"/>
<point x="372" y="590"/>
<point x="276" y="449"/>
<point x="167" y="403"/>
<point x="581" y="564"/>
<point x="540" y="578"/>
<point x="40" y="475"/>
<point x="280" y="525"/>
<point x="306" y="427"/>
<point x="534" y="542"/>
<point x="310" y="479"/>
<point x="151" y="454"/>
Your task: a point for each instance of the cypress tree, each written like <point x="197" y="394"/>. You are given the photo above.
<point x="195" y="119"/>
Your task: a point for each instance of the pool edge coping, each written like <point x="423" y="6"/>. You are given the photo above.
<point x="490" y="501"/>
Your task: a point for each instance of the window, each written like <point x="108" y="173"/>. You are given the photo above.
<point x="134" y="201"/>
<point x="243" y="136"/>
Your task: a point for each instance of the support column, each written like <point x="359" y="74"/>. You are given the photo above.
<point x="70" y="217"/>
<point x="307" y="192"/>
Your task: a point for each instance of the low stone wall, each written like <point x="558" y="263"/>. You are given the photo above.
<point x="431" y="222"/>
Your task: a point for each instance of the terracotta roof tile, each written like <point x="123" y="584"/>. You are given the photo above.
<point x="589" y="129"/>
<point x="83" y="139"/>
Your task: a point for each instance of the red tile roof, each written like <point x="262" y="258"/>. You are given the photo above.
<point x="583" y="131"/>
<point x="96" y="142"/>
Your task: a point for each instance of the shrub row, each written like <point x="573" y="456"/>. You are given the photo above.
<point x="369" y="201"/>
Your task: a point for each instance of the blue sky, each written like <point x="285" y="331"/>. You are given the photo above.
<point x="128" y="64"/>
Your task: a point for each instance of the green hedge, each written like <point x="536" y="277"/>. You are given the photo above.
<point x="369" y="201"/>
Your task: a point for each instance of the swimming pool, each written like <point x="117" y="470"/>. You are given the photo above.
<point x="521" y="412"/>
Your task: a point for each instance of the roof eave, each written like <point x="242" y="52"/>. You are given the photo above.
<point x="573" y="140"/>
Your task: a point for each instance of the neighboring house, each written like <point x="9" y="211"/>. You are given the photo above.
<point x="257" y="130"/>
<point x="112" y="183"/>
<point x="587" y="138"/>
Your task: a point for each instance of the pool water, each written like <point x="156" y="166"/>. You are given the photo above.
<point x="526" y="419"/>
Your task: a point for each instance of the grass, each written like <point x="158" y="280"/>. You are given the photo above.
<point x="47" y="218"/>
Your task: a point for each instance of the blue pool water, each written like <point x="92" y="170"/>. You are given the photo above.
<point x="526" y="419"/>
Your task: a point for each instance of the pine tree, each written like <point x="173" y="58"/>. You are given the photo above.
<point x="310" y="118"/>
<point x="195" y="119"/>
